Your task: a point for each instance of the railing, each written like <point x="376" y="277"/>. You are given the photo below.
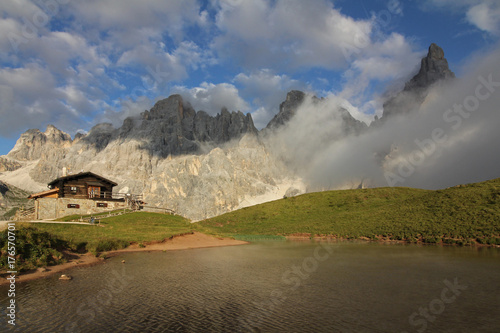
<point x="116" y="196"/>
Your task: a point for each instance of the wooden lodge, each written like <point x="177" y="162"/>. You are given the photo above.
<point x="84" y="185"/>
<point x="82" y="193"/>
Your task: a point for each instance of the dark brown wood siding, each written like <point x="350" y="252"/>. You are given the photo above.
<point x="80" y="187"/>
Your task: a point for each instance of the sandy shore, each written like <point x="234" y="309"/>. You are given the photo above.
<point x="184" y="242"/>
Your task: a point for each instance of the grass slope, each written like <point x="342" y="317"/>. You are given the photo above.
<point x="119" y="231"/>
<point x="466" y="213"/>
<point x="40" y="244"/>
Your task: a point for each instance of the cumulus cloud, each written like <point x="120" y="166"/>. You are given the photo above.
<point x="483" y="14"/>
<point x="211" y="98"/>
<point x="130" y="15"/>
<point x="451" y="139"/>
<point x="30" y="97"/>
<point x="70" y="74"/>
<point x="285" y="33"/>
<point x="266" y="90"/>
<point x="385" y="66"/>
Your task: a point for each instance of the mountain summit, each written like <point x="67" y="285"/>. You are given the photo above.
<point x="433" y="69"/>
<point x="173" y="127"/>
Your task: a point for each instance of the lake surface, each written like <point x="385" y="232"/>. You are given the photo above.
<point x="272" y="287"/>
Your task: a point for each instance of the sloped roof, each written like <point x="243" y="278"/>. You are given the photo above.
<point x="44" y="193"/>
<point x="81" y="175"/>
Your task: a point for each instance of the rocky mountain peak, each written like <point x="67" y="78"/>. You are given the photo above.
<point x="32" y="144"/>
<point x="433" y="68"/>
<point x="55" y="134"/>
<point x="173" y="107"/>
<point x="288" y="108"/>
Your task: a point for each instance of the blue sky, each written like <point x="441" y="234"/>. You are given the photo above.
<point x="75" y="63"/>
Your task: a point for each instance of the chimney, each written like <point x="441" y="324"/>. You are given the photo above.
<point x="64" y="171"/>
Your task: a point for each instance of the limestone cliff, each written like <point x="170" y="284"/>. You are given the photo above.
<point x="178" y="158"/>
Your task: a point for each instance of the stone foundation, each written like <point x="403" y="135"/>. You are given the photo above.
<point x="52" y="208"/>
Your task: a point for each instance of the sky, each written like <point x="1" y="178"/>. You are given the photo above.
<point x="75" y="63"/>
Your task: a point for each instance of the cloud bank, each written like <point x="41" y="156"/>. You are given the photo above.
<point x="452" y="138"/>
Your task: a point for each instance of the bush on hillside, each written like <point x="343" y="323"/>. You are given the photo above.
<point x="33" y="249"/>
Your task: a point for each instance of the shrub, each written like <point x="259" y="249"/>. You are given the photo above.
<point x="33" y="249"/>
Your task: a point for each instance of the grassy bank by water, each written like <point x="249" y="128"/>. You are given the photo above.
<point x="119" y="231"/>
<point x="465" y="214"/>
<point x="41" y="244"/>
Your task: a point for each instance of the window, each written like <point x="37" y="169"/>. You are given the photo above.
<point x="73" y="189"/>
<point x="102" y="204"/>
<point x="73" y="206"/>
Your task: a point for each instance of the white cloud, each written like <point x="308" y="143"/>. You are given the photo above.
<point x="211" y="98"/>
<point x="391" y="60"/>
<point x="285" y="34"/>
<point x="435" y="146"/>
<point x="30" y="98"/>
<point x="483" y="14"/>
<point x="60" y="50"/>
<point x="19" y="9"/>
<point x="266" y="91"/>
<point x="485" y="17"/>
<point x="151" y="55"/>
<point x="131" y="15"/>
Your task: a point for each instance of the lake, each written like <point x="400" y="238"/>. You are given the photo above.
<point x="272" y="286"/>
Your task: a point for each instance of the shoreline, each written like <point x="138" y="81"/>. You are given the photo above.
<point x="304" y="237"/>
<point x="195" y="240"/>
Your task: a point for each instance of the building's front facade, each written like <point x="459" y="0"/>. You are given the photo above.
<point x="82" y="194"/>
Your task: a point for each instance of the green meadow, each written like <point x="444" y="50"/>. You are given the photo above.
<point x="42" y="244"/>
<point x="463" y="214"/>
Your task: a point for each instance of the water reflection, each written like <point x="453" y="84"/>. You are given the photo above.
<point x="271" y="287"/>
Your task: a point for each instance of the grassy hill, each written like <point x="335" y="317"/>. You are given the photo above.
<point x="463" y="214"/>
<point x="40" y="244"/>
<point x="119" y="231"/>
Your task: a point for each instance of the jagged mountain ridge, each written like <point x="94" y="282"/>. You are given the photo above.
<point x="188" y="161"/>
